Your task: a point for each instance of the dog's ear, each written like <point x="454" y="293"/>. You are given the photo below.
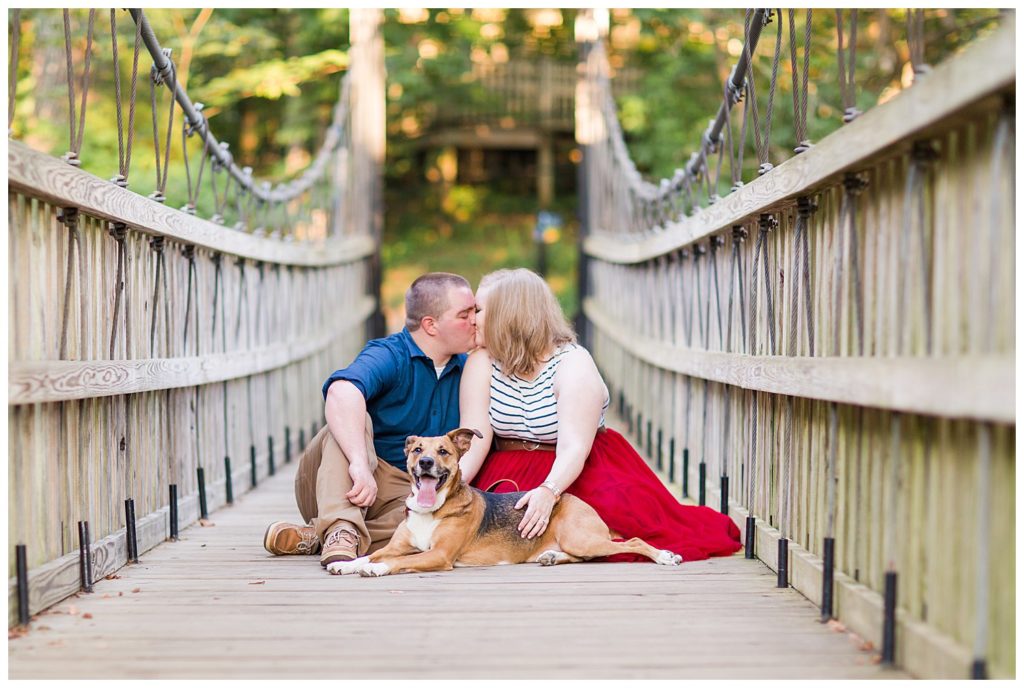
<point x="462" y="438"/>
<point x="409" y="441"/>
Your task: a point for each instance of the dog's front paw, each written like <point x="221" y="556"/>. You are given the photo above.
<point x="369" y="570"/>
<point x="667" y="558"/>
<point x="343" y="568"/>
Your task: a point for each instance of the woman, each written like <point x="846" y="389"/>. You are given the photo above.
<point x="538" y="395"/>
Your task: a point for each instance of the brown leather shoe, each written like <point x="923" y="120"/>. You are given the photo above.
<point x="340" y="544"/>
<point x="289" y="538"/>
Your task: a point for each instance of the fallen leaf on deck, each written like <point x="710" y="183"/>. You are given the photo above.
<point x="867" y="645"/>
<point x="206" y="523"/>
<point x="876" y="659"/>
<point x="257" y="582"/>
<point x="16" y="632"/>
<point x="137" y="590"/>
<point x="836" y="626"/>
<point x="112" y="576"/>
<point x="87" y="615"/>
<point x="72" y="610"/>
<point x="106" y="596"/>
<point x="120" y="594"/>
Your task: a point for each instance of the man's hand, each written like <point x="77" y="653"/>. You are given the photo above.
<point x="364" y="487"/>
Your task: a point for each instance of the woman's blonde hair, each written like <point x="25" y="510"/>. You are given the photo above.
<point x="523" y="320"/>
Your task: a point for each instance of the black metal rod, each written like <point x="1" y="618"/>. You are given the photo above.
<point x="640" y="429"/>
<point x="252" y="462"/>
<point x="979" y="671"/>
<point x="84" y="557"/>
<point x="270" y="455"/>
<point x="134" y="531"/>
<point x="287" y="444"/>
<point x="748" y="551"/>
<point x="201" y="478"/>
<point x="173" y="508"/>
<point x="702" y="471"/>
<point x="661" y="451"/>
<point x="650" y="450"/>
<point x="672" y="459"/>
<point x="725" y="494"/>
<point x="229" y="494"/>
<point x="686" y="473"/>
<point x="826" y="579"/>
<point x="302" y="439"/>
<point x="889" y="620"/>
<point x="312" y="431"/>
<point x="129" y="532"/>
<point x="622" y="404"/>
<point x="783" y="581"/>
<point x="21" y="555"/>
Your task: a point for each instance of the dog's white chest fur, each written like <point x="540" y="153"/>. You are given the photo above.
<point x="421" y="529"/>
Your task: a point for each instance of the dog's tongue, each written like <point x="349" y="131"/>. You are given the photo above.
<point x="428" y="492"/>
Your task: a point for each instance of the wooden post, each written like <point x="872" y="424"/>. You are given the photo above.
<point x="368" y="121"/>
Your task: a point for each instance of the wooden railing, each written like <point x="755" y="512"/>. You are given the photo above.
<point x="148" y="346"/>
<point x="832" y="346"/>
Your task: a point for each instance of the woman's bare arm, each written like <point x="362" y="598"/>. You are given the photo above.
<point x="474" y="407"/>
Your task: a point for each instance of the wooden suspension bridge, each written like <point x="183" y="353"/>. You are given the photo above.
<point x="823" y="349"/>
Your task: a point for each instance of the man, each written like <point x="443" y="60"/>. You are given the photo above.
<point x="351" y="482"/>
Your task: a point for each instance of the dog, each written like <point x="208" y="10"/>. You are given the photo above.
<point x="451" y="524"/>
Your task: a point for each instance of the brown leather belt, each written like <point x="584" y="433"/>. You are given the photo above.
<point x="509" y="444"/>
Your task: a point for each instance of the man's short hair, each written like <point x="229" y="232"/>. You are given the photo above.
<point x="428" y="296"/>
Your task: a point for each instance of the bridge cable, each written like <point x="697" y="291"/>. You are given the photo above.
<point x="69" y="217"/>
<point x="915" y="42"/>
<point x="124" y="152"/>
<point x="187" y="129"/>
<point x="761" y="144"/>
<point x="75" y="135"/>
<point x="119" y="232"/>
<point x="157" y="244"/>
<point x="800" y="94"/>
<point x="157" y="77"/>
<point x="12" y="73"/>
<point x="847" y="71"/>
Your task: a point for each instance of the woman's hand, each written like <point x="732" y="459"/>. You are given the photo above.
<point x="539" y="502"/>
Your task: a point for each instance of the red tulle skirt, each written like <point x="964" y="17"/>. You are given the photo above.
<point x="626" y="493"/>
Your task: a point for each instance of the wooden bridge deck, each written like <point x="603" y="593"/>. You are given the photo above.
<point x="215" y="604"/>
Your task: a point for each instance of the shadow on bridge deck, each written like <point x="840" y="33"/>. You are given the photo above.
<point x="215" y="604"/>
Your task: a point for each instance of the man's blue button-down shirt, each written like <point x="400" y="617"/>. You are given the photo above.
<point x="403" y="393"/>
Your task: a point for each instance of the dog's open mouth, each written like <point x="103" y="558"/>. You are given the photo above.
<point x="427" y="487"/>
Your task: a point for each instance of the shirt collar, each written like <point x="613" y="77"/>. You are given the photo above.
<point x="456" y="361"/>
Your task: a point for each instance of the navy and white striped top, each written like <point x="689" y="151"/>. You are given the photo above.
<point x="527" y="410"/>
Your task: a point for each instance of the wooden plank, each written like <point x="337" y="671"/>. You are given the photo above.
<point x="46" y="381"/>
<point x="39" y="175"/>
<point x="210" y="603"/>
<point x="984" y="68"/>
<point x="979" y="387"/>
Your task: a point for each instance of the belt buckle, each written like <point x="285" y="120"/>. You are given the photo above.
<point x="527" y="447"/>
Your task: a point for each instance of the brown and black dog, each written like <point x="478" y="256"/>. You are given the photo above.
<point x="452" y="524"/>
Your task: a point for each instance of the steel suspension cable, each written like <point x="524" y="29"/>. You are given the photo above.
<point x="75" y="135"/>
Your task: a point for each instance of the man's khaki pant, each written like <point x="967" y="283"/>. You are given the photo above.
<point x="322" y="481"/>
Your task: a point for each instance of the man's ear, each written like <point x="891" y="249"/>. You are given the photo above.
<point x="463" y="438"/>
<point x="409" y="441"/>
<point x="429" y="325"/>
